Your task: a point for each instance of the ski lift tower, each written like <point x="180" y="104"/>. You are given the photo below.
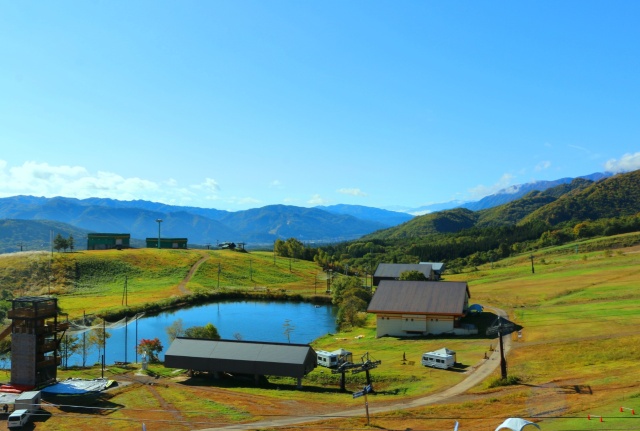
<point x="501" y="327"/>
<point x="34" y="340"/>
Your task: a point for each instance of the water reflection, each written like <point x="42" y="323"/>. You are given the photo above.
<point x="248" y="320"/>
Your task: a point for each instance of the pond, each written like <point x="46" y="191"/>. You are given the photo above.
<point x="270" y="321"/>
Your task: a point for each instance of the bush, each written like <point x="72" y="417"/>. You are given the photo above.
<point x="509" y="381"/>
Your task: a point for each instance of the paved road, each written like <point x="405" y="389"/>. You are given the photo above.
<point x="476" y="376"/>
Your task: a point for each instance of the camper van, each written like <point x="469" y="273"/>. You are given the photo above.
<point x="18" y="418"/>
<point x="333" y="359"/>
<point x="442" y="358"/>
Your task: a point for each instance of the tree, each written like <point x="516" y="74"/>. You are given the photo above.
<point x="152" y="348"/>
<point x="175" y="330"/>
<point x="207" y="332"/>
<point x="60" y="243"/>
<point x="97" y="338"/>
<point x="341" y="285"/>
<point x="280" y="248"/>
<point x="288" y="329"/>
<point x="413" y="275"/>
<point x="295" y="248"/>
<point x="349" y="311"/>
<point x="69" y="346"/>
<point x="71" y="243"/>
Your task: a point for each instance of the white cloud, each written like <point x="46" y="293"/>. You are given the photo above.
<point x="481" y="191"/>
<point x="317" y="200"/>
<point x="542" y="166"/>
<point x="577" y="147"/>
<point x="209" y="185"/>
<point x="244" y="201"/>
<point x="628" y="162"/>
<point x="352" y="192"/>
<point x="276" y="184"/>
<point x="420" y="213"/>
<point x="42" y="179"/>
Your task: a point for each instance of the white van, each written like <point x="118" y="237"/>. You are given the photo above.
<point x="442" y="358"/>
<point x="18" y="418"/>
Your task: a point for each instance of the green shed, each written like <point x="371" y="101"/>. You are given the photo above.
<point x="106" y="241"/>
<point x="167" y="243"/>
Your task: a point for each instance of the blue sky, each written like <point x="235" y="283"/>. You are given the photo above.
<point x="241" y="104"/>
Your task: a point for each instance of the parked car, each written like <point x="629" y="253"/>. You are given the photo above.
<point x="18" y="418"/>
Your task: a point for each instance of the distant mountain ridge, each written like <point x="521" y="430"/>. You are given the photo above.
<point x="517" y="191"/>
<point x="391" y="218"/>
<point x="256" y="227"/>
<point x="580" y="200"/>
<point x="502" y="196"/>
<point x="259" y="227"/>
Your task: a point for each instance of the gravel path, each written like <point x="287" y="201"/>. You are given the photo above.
<point x="475" y="377"/>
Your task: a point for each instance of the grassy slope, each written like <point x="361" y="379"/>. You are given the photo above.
<point x="578" y="354"/>
<point x="95" y="280"/>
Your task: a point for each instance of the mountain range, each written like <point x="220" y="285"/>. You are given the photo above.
<point x="27" y="221"/>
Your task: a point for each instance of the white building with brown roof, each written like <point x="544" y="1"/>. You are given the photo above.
<point x="414" y="308"/>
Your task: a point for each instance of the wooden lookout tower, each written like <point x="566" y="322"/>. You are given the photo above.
<point x="35" y="339"/>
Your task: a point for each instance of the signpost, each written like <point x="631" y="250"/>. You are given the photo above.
<point x="364" y="392"/>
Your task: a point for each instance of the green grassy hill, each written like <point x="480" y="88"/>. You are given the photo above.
<point x="152" y="276"/>
<point x="577" y="355"/>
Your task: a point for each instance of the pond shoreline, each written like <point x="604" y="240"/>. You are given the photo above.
<point x="212" y="297"/>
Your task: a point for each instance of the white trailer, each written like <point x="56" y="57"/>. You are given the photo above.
<point x="25" y="405"/>
<point x="442" y="358"/>
<point x="29" y="400"/>
<point x="333" y="359"/>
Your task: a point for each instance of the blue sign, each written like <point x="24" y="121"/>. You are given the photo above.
<point x="358" y="394"/>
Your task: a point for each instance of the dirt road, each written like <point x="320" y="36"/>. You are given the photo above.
<point x="476" y="376"/>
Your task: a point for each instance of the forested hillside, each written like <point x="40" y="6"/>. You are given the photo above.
<point x="615" y="197"/>
<point x="461" y="237"/>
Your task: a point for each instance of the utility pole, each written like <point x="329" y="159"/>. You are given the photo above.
<point x="126" y="330"/>
<point x="159" y="220"/>
<point x="533" y="271"/>
<point x="125" y="293"/>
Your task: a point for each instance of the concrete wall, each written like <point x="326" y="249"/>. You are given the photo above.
<point x="23" y="352"/>
<point x="402" y="326"/>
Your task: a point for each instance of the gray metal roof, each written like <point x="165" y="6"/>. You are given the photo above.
<point x="246" y="357"/>
<point x="436" y="266"/>
<point x="420" y="297"/>
<point x="393" y="270"/>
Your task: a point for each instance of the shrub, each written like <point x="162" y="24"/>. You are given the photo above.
<point x="509" y="381"/>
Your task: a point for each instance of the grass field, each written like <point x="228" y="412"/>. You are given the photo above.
<point x="579" y="353"/>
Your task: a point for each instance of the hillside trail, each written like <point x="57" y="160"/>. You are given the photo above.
<point x="182" y="287"/>
<point x="476" y="376"/>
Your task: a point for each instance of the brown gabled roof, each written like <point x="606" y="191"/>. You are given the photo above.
<point x="420" y="297"/>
